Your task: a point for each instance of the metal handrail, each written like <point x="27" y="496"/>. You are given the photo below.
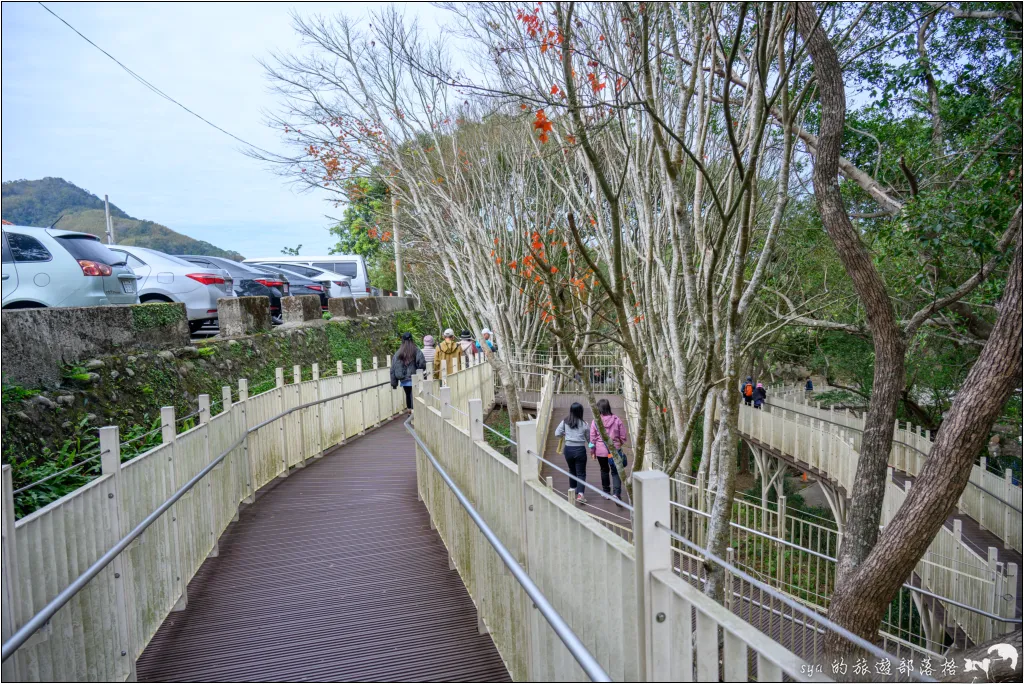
<point x="572" y="642"/>
<point x="39" y="620"/>
<point x="896" y="441"/>
<point x="825" y="556"/>
<point x="792" y="603"/>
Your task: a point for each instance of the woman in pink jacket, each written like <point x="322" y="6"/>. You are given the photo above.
<point x="616" y="430"/>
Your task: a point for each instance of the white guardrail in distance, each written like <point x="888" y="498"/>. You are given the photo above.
<point x="638" y="619"/>
<point x="991" y="499"/>
<point x="88" y="579"/>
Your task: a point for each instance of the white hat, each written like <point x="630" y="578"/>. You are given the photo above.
<point x="448" y="332"/>
<point x="485" y="331"/>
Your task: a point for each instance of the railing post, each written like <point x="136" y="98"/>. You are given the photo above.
<point x="297" y="383"/>
<point x="204" y="422"/>
<point x="446" y="403"/>
<point x="169" y="433"/>
<point x="341" y="388"/>
<point x="653" y="549"/>
<point x="110" y="460"/>
<point x="247" y="454"/>
<point x="526" y="460"/>
<point x="12" y="615"/>
<point x="282" y="443"/>
<point x="362" y="404"/>
<point x="782" y="535"/>
<point x="318" y="412"/>
<point x="1010" y="602"/>
<point x="225" y="400"/>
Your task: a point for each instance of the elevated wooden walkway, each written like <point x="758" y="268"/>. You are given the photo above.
<point x="333" y="574"/>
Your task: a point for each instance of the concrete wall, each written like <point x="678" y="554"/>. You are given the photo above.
<point x="37" y="343"/>
<point x="238" y="316"/>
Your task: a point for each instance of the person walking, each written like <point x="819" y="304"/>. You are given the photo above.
<point x="429" y="351"/>
<point x="489" y="342"/>
<point x="616" y="431"/>
<point x="468" y="347"/>
<point x="748" y="391"/>
<point x="760" y="394"/>
<point x="408" y="359"/>
<point x="809" y="387"/>
<point x="447" y="354"/>
<point x="575" y="430"/>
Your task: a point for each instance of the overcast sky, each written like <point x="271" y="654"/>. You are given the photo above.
<point x="71" y="112"/>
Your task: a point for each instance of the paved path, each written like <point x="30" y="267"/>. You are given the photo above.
<point x="332" y="575"/>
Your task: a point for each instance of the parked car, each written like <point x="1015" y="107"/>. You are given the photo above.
<point x="297" y="285"/>
<point x="50" y="267"/>
<point x="167" y="278"/>
<point x="351" y="265"/>
<point x="337" y="285"/>
<point x="247" y="281"/>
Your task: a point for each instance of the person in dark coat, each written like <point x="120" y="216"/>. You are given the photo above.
<point x="748" y="391"/>
<point x="760" y="394"/>
<point x="408" y="359"/>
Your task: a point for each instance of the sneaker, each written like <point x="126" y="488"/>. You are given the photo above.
<point x="580" y="499"/>
<point x="617" y="500"/>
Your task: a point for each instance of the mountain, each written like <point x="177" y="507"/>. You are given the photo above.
<point x="41" y="202"/>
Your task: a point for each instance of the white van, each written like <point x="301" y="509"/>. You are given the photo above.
<point x="351" y="265"/>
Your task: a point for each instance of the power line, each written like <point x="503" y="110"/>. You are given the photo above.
<point x="152" y="87"/>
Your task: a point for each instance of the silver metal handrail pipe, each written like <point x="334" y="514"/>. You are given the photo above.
<point x="894" y="441"/>
<point x="792" y="603"/>
<point x="39" y="620"/>
<point x="572" y="642"/>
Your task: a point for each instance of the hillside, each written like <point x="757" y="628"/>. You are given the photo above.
<point x="41" y="202"/>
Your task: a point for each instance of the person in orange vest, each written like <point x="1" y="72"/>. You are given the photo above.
<point x="748" y="391"/>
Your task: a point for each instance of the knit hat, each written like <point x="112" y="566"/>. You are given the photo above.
<point x="486" y="331"/>
<point x="428" y="340"/>
<point x="466" y="335"/>
<point x="448" y="332"/>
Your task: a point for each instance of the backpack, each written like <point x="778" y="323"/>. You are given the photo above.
<point x="748" y="390"/>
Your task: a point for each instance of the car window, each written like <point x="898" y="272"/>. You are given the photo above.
<point x="236" y="269"/>
<point x="298" y="268"/>
<point x="88" y="247"/>
<point x="201" y="262"/>
<point x="132" y="260"/>
<point x="343" y="267"/>
<point x="7" y="258"/>
<point x="27" y="248"/>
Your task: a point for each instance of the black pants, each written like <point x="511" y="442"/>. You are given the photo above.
<point x="609" y="476"/>
<point x="747" y="400"/>
<point x="576" y="459"/>
<point x="408" y="396"/>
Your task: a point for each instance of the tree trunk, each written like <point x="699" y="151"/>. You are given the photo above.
<point x="889" y="373"/>
<point x="861" y="600"/>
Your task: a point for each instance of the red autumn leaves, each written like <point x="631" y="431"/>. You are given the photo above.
<point x="542" y="124"/>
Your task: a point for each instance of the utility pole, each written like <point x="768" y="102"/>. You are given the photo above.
<point x="110" y="225"/>
<point x="399" y="276"/>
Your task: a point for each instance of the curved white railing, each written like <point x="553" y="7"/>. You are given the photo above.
<point x="89" y="578"/>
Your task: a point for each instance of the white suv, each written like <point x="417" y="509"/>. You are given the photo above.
<point x="48" y="267"/>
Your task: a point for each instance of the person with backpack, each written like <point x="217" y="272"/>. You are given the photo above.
<point x="575" y="430"/>
<point x="609" y="458"/>
<point x="468" y="347"/>
<point x="748" y="391"/>
<point x="809" y="387"/>
<point x="447" y="354"/>
<point x="408" y="359"/>
<point x="760" y="394"/>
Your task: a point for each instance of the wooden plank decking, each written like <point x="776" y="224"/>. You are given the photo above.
<point x="333" y="574"/>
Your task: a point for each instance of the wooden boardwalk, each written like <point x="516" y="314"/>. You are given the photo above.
<point x="333" y="574"/>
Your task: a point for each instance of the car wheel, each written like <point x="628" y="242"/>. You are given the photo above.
<point x="195" y="326"/>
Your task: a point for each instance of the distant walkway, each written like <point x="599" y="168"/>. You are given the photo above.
<point x="332" y="575"/>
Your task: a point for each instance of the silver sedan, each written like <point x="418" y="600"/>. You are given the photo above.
<point x="166" y="278"/>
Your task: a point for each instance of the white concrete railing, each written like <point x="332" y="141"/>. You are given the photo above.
<point x="992" y="500"/>
<point x="100" y="632"/>
<point x="626" y="605"/>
